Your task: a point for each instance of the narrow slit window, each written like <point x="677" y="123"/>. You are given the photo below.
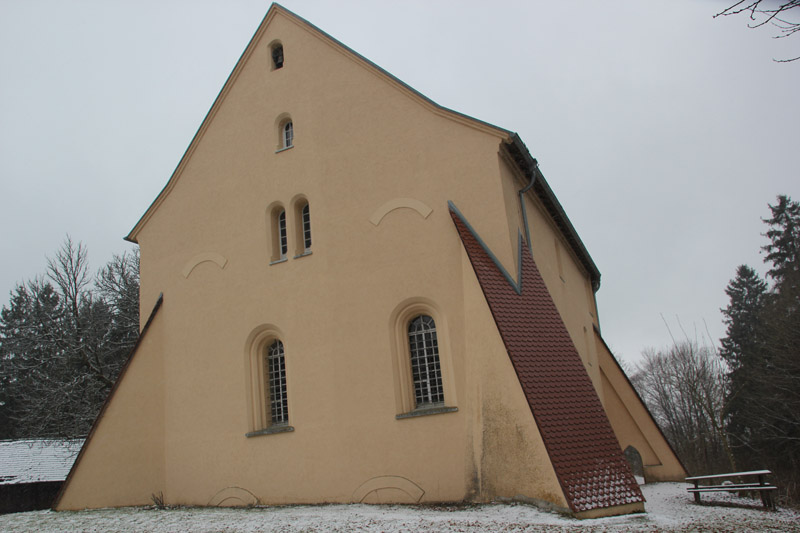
<point x="282" y="238"/>
<point x="288" y="135"/>
<point x="425" y="369"/>
<point x="276" y="383"/>
<point x="306" y="228"/>
<point x="277" y="57"/>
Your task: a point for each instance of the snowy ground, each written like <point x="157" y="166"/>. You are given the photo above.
<point x="669" y="508"/>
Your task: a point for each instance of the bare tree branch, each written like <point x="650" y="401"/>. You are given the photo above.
<point x="762" y="13"/>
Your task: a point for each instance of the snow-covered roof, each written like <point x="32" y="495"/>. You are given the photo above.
<point x="35" y="460"/>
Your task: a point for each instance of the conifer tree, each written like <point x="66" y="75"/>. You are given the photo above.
<point x="783" y="250"/>
<point x="741" y="347"/>
<point x="762" y="349"/>
<point x="63" y="340"/>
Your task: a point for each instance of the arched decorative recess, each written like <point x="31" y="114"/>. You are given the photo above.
<point x="635" y="461"/>
<point x="257" y="395"/>
<point x="233" y="497"/>
<point x="414" y="491"/>
<point x="213" y="257"/>
<point x="407" y="310"/>
<point x="411" y="203"/>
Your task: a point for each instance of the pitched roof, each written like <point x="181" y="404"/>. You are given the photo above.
<point x="36" y="460"/>
<point x="582" y="446"/>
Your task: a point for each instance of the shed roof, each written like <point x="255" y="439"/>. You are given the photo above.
<point x="36" y="460"/>
<point x="577" y="434"/>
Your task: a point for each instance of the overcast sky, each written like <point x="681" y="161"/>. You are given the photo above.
<point x="663" y="132"/>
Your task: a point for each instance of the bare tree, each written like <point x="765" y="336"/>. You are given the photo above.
<point x="762" y="12"/>
<point x="684" y="387"/>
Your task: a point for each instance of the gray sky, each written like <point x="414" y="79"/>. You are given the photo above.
<point x="663" y="132"/>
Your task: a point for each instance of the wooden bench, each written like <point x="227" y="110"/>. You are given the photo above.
<point x="756" y="483"/>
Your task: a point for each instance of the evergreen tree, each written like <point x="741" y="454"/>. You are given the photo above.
<point x="747" y="293"/>
<point x="741" y="347"/>
<point x="27" y="329"/>
<point x="62" y="343"/>
<point x="783" y="250"/>
<point x="762" y="349"/>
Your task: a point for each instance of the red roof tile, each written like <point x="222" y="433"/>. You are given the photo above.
<point x="583" y="449"/>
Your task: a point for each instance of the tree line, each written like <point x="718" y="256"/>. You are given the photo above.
<point x="64" y="337"/>
<point x="738" y="407"/>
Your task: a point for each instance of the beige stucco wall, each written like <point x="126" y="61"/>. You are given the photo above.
<point x="633" y="424"/>
<point x="358" y="145"/>
<point x="122" y="463"/>
<point x="362" y="143"/>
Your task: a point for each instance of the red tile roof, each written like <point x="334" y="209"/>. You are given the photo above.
<point x="579" y="439"/>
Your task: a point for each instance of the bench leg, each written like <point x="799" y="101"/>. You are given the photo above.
<point x="696" y="494"/>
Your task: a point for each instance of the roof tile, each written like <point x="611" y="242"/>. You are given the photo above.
<point x="582" y="446"/>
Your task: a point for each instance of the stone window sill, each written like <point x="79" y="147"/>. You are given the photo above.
<point x="426" y="411"/>
<point x="272" y="430"/>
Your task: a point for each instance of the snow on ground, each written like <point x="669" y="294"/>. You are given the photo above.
<point x="669" y="506"/>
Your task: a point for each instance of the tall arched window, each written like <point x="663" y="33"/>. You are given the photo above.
<point x="287" y="135"/>
<point x="302" y="226"/>
<point x="306" y="227"/>
<point x="266" y="378"/>
<point x="275" y="381"/>
<point x="278" y="234"/>
<point x="425" y="369"/>
<point x="282" y="238"/>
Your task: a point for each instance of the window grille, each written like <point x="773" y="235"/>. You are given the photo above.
<point x="306" y="228"/>
<point x="425" y="369"/>
<point x="282" y="238"/>
<point x="276" y="383"/>
<point x="288" y="135"/>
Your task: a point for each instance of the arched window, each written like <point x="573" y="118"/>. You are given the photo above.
<point x="306" y="227"/>
<point x="302" y="227"/>
<point x="277" y="56"/>
<point x="425" y="369"/>
<point x="278" y="234"/>
<point x="275" y="381"/>
<point x="268" y="406"/>
<point x="287" y="133"/>
<point x="282" y="239"/>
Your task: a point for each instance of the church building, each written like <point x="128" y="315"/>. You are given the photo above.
<point x="350" y="293"/>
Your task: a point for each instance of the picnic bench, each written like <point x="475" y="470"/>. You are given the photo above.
<point x="744" y="482"/>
